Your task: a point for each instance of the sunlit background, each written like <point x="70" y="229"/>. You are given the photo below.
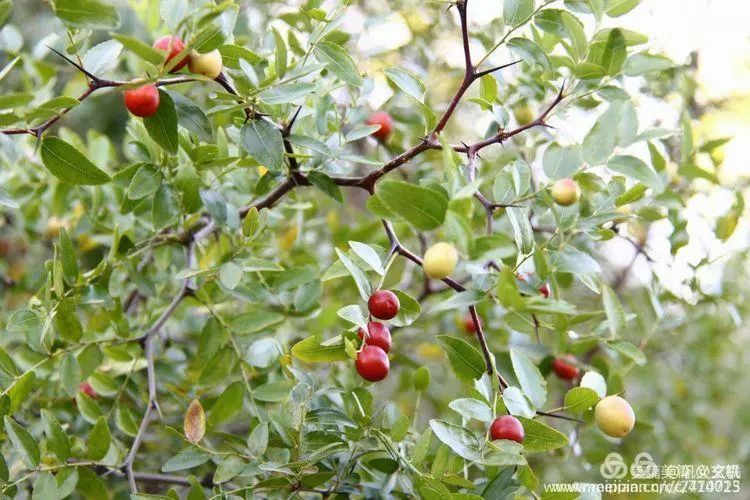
<point x="686" y="32"/>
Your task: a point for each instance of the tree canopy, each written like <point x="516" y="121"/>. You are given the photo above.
<point x="196" y="238"/>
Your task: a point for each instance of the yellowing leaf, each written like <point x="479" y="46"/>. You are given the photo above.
<point x="195" y="422"/>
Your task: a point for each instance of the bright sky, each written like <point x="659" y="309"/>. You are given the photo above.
<point x="718" y="31"/>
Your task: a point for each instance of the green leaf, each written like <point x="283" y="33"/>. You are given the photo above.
<point x="99" y="440"/>
<point x="20" y="391"/>
<point x="186" y="459"/>
<point x="165" y="210"/>
<point x="409" y="310"/>
<point x="255" y="321"/>
<point x="529" y="51"/>
<point x="5" y="7"/>
<point x="286" y="94"/>
<point x="88" y="408"/>
<point x="432" y="489"/>
<point x="67" y="480"/>
<point x="472" y="408"/>
<point x="408" y="83"/>
<point x="549" y="20"/>
<point x="642" y="63"/>
<point x="507" y="290"/>
<point x="7" y="365"/>
<point x="459" y="300"/>
<point x="631" y="195"/>
<point x="69" y="165"/>
<point x="517" y="403"/>
<point x="462" y="441"/>
<point x="68" y="258"/>
<point x="632" y="38"/>
<point x="66" y="320"/>
<point x="87" y="13"/>
<point x="102" y="57"/>
<point x="369" y="255"/>
<point x="228" y="468"/>
<point x="162" y="125"/>
<point x="515" y="12"/>
<point x="531" y="380"/>
<point x="616" y="8"/>
<point x="45" y="487"/>
<point x="231" y="55"/>
<point x="613" y="53"/>
<point x="22" y="441"/>
<point x="629" y="350"/>
<point x="273" y="392"/>
<point x="7" y="201"/>
<point x="522" y="230"/>
<point x="589" y="71"/>
<point x="311" y="350"/>
<point x="338" y="61"/>
<point x="280" y="56"/>
<point x="89" y="485"/>
<point x="227" y="405"/>
<point x="636" y="169"/>
<point x="262" y="353"/>
<point x="540" y="437"/>
<point x="191" y="116"/>
<point x="144" y="183"/>
<point x="70" y="374"/>
<point x="561" y="161"/>
<point x="142" y="50"/>
<point x="57" y="440"/>
<point x="263" y="141"/>
<point x="614" y="311"/>
<point x="230" y="275"/>
<point x="359" y="276"/>
<point x="580" y="399"/>
<point x="257" y="441"/>
<point x="466" y="361"/>
<point x="601" y="140"/>
<point x="326" y="185"/>
<point x="421" y="207"/>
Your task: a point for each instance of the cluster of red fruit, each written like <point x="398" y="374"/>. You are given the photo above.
<point x="372" y="360"/>
<point x="143" y="101"/>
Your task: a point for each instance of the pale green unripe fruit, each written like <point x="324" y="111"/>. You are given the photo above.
<point x="523" y="114"/>
<point x="614" y="416"/>
<point x="208" y="64"/>
<point x="565" y="192"/>
<point x="440" y="260"/>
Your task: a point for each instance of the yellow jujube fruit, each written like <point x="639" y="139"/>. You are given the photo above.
<point x="208" y="64"/>
<point x="614" y="416"/>
<point x="523" y="114"/>
<point x="565" y="192"/>
<point x="440" y="260"/>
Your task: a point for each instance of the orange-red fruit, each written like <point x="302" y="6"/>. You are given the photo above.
<point x="86" y="388"/>
<point x="386" y="124"/>
<point x="372" y="363"/>
<point x="507" y="427"/>
<point x="172" y="45"/>
<point x="565" y="368"/>
<point x="383" y="304"/>
<point x="545" y="290"/>
<point x="469" y="325"/>
<point x="142" y="101"/>
<point x="377" y="335"/>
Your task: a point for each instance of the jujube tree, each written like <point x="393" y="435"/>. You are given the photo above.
<point x="270" y="281"/>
